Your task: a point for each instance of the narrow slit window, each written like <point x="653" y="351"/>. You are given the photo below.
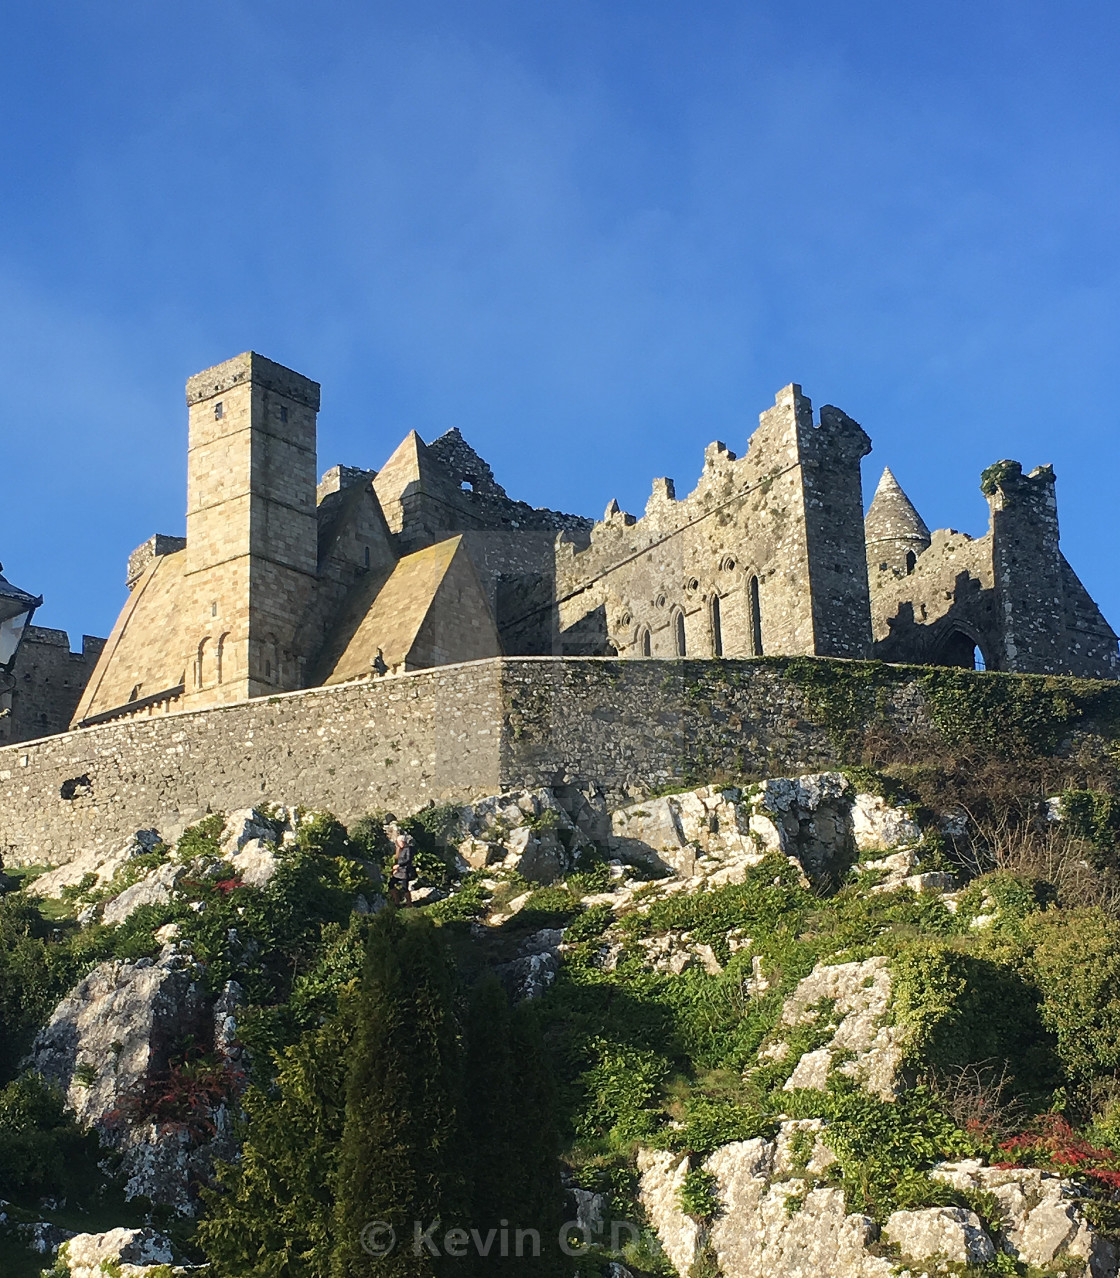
<point x="717" y="628"/>
<point x="679" y="635"/>
<point x="755" y="608"/>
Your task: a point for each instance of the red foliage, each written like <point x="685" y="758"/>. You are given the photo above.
<point x="1055" y="1146"/>
<point x="182" y="1099"/>
<point x="226" y="886"/>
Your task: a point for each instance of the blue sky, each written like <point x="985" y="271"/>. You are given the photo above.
<point x="592" y="234"/>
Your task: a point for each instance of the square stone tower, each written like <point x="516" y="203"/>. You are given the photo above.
<point x="252" y="536"/>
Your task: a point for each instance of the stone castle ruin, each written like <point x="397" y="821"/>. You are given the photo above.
<point x="283" y="582"/>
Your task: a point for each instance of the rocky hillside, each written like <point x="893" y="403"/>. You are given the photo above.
<point x="846" y="1024"/>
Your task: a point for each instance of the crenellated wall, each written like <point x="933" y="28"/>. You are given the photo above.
<point x="765" y="556"/>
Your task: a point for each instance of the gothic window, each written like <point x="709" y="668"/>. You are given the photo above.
<point x="911" y="560"/>
<point x="717" y="630"/>
<point x="755" y="610"/>
<point x="645" y="644"/>
<point x="679" y="635"/>
<point x="200" y="665"/>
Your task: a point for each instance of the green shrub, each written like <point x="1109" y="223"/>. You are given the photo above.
<point x="590" y="924"/>
<point x="324" y="835"/>
<point x="697" y="1195"/>
<point x="202" y="838"/>
<point x="39" y="1141"/>
<point x="367" y="836"/>
<point x="1076" y="959"/>
<point x="620" y="1091"/>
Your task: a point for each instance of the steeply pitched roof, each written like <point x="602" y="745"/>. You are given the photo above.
<point x="892" y="516"/>
<point x="409" y="469"/>
<point x="431" y="600"/>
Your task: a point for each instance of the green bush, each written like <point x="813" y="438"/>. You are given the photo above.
<point x="1076" y="960"/>
<point x="39" y="1142"/>
<point x="697" y="1195"/>
<point x="367" y="836"/>
<point x="202" y="838"/>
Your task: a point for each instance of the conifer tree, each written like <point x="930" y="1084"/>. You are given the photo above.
<point x="510" y="1141"/>
<point x="271" y="1216"/>
<point x="399" y="1157"/>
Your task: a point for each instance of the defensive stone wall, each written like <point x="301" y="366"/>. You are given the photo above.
<point x="458" y="733"/>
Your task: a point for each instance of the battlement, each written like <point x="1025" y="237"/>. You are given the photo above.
<point x="765" y="555"/>
<point x="251" y="368"/>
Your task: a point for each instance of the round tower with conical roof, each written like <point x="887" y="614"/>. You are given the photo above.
<point x="896" y="534"/>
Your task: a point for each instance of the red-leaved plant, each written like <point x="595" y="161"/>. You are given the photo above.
<point x="182" y="1098"/>
<point x="1055" y="1146"/>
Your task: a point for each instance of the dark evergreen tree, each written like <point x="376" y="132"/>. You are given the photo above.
<point x="510" y="1139"/>
<point x="271" y="1215"/>
<point x="399" y="1158"/>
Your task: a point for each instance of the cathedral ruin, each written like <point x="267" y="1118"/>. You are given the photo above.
<point x="285" y="582"/>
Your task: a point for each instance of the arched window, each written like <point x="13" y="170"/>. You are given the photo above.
<point x="717" y="630"/>
<point x="200" y="665"/>
<point x="911" y="560"/>
<point x="962" y="651"/>
<point x="219" y="656"/>
<point x="645" y="644"/>
<point x="755" y="618"/>
<point x="678" y="634"/>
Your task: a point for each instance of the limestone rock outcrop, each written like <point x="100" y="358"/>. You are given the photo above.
<point x="111" y="1037"/>
<point x="861" y="1036"/>
<point x="775" y="1222"/>
<point x="528" y="831"/>
<point x="1041" y="1220"/>
<point x="129" y="1253"/>
<point x="102" y="865"/>
<point x="950" y="1234"/>
<point x="715" y="834"/>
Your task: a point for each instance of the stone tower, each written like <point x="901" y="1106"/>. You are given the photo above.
<point x="896" y="533"/>
<point x="1028" y="566"/>
<point x="252" y="539"/>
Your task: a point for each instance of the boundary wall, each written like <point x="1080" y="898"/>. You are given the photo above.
<point x="453" y="733"/>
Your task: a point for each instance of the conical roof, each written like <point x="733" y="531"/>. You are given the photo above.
<point x="892" y="516"/>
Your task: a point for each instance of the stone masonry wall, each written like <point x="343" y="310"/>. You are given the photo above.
<point x="403" y="741"/>
<point x="451" y="733"/>
<point x="765" y="555"/>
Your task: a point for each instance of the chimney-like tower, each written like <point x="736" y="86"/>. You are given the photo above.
<point x="252" y="538"/>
